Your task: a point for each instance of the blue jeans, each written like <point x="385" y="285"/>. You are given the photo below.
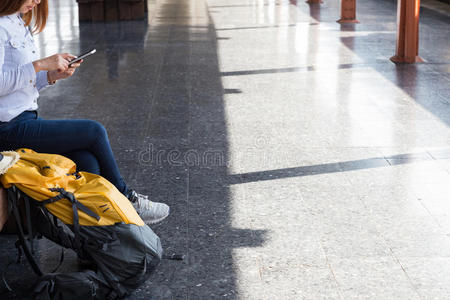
<point x="84" y="141"/>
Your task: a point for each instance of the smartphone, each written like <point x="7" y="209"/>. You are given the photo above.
<point x="82" y="56"/>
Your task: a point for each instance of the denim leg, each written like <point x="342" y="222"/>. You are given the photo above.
<point x="85" y="160"/>
<point x="64" y="136"/>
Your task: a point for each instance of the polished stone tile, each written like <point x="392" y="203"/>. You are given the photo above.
<point x="428" y="275"/>
<point x="355" y="244"/>
<point x="273" y="280"/>
<point x="298" y="161"/>
<point x="413" y="228"/>
<point x="433" y="245"/>
<point x="373" y="278"/>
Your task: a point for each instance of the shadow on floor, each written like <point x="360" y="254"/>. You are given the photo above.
<point x="159" y="87"/>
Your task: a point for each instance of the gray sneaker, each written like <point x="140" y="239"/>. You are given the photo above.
<point x="150" y="212"/>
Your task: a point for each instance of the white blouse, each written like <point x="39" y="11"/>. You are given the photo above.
<point x="19" y="83"/>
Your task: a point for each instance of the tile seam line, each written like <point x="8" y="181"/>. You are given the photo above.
<point x="338" y="286"/>
<point x="406" y="273"/>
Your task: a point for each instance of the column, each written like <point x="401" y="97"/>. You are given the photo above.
<point x="407" y="50"/>
<point x="348" y="12"/>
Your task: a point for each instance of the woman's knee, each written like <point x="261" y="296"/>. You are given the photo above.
<point x="97" y="131"/>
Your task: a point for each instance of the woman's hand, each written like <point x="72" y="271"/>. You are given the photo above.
<point x="56" y="75"/>
<point x="57" y="62"/>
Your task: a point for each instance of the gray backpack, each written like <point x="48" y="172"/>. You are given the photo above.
<point x="120" y="256"/>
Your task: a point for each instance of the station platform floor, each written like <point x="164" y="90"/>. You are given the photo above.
<point x="299" y="162"/>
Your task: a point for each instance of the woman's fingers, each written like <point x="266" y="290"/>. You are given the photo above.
<point x="60" y="64"/>
<point x="63" y="63"/>
<point x="68" y="56"/>
<point x="70" y="71"/>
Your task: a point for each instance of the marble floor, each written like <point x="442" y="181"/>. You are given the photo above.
<point x="299" y="162"/>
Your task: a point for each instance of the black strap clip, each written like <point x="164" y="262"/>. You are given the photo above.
<point x="63" y="194"/>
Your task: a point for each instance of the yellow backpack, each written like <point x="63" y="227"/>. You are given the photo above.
<point x="48" y="176"/>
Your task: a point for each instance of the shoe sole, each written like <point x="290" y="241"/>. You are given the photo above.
<point x="157" y="220"/>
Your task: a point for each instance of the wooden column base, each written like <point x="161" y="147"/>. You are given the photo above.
<point x="406" y="60"/>
<point x="348" y="12"/>
<point x="351" y="21"/>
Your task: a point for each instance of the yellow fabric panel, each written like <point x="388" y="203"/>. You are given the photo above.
<point x="35" y="173"/>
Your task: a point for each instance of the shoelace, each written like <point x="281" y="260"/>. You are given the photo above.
<point x="143" y="202"/>
<point x="142" y="196"/>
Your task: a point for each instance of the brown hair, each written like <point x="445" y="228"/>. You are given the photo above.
<point x="39" y="14"/>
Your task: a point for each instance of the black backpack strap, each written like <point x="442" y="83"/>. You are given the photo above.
<point x="52" y="230"/>
<point x="63" y="194"/>
<point x="76" y="174"/>
<point x="15" y="209"/>
<point x="28" y="217"/>
<point x="76" y="227"/>
<point x="174" y="256"/>
<point x="5" y="283"/>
